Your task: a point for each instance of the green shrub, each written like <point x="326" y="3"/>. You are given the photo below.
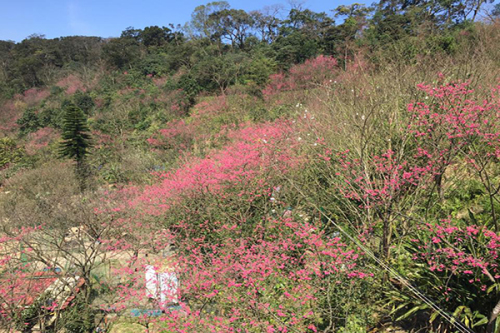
<point x="10" y="153"/>
<point x="29" y="122"/>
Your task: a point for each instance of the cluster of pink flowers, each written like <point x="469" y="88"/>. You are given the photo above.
<point x="235" y="274"/>
<point x="40" y="139"/>
<point x="390" y="178"/>
<point x="72" y="84"/>
<point x="455" y="124"/>
<point x="177" y="135"/>
<point x="9" y="114"/>
<point x="266" y="281"/>
<point x="210" y="108"/>
<point x="252" y="152"/>
<point x="464" y="255"/>
<point x="34" y="96"/>
<point x="317" y="71"/>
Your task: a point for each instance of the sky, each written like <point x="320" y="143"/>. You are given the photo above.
<point x="108" y="18"/>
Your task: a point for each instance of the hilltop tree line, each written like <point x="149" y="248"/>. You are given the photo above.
<point x="221" y="46"/>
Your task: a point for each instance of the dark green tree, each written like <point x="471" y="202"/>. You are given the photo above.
<point x="155" y="36"/>
<point x="29" y="122"/>
<point x="76" y="141"/>
<point x="84" y="102"/>
<point x="202" y="25"/>
<point x="132" y="33"/>
<point x="340" y="40"/>
<point x="267" y="24"/>
<point x="234" y="25"/>
<point x="121" y="52"/>
<point x="9" y="152"/>
<point x="496" y="10"/>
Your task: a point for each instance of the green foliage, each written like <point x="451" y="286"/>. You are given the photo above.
<point x="217" y="72"/>
<point x="154" y="64"/>
<point x="345" y="301"/>
<point x="10" y="153"/>
<point x="31" y="315"/>
<point x="258" y="114"/>
<point x="202" y="23"/>
<point x="76" y="139"/>
<point x="450" y="293"/>
<point x="189" y="85"/>
<point x="121" y="52"/>
<point x="56" y="90"/>
<point x="155" y="36"/>
<point x="295" y="48"/>
<point x="112" y="173"/>
<point x="29" y="122"/>
<point x="231" y="25"/>
<point x="84" y="102"/>
<point x="259" y="70"/>
<point x="51" y="117"/>
<point x="496" y="10"/>
<point x="79" y="317"/>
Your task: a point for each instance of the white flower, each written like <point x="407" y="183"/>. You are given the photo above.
<point x="363" y="117"/>
<point x="299" y="138"/>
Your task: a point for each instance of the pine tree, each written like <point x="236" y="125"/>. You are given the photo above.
<point x="77" y="141"/>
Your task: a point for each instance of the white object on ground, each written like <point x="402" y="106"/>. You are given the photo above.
<point x="164" y="285"/>
<point x="169" y="286"/>
<point x="151" y="282"/>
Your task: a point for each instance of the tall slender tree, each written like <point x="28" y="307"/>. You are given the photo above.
<point x="76" y="141"/>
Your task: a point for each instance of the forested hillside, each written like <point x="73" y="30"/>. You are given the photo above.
<point x="279" y="170"/>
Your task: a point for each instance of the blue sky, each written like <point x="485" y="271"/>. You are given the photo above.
<point x="107" y="18"/>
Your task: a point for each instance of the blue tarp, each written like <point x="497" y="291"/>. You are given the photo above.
<point x="152" y="312"/>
